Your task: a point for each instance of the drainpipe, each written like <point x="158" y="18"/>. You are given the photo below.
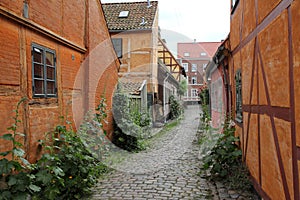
<point x="165" y="97"/>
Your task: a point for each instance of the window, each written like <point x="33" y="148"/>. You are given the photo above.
<point x="238" y="93"/>
<point x="203" y="54"/>
<point x="117" y="43"/>
<point x="194" y="92"/>
<point x="185" y="66"/>
<point x="186" y="54"/>
<point x="194" y="80"/>
<point x="43" y="72"/>
<point x="124" y="14"/>
<point x="194" y="67"/>
<point x="204" y="66"/>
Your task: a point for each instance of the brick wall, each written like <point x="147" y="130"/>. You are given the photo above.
<point x="64" y="32"/>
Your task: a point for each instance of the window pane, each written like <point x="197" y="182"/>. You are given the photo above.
<point x="117" y="43"/>
<point x="38" y="87"/>
<point x="50" y="73"/>
<point x="185" y="66"/>
<point x="37" y="55"/>
<point x="186" y="54"/>
<point x="49" y="58"/>
<point x="194" y="67"/>
<point x="50" y="87"/>
<point x="38" y="71"/>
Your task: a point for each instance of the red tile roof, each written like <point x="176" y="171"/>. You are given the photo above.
<point x="196" y="48"/>
<point x="137" y="10"/>
<point x="131" y="86"/>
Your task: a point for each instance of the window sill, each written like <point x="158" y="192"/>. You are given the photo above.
<point x="36" y="101"/>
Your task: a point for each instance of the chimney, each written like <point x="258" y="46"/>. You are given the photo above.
<point x="149" y="4"/>
<point x="194" y="40"/>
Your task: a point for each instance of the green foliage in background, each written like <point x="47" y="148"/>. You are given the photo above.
<point x="175" y="108"/>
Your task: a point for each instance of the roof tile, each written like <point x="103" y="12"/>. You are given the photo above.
<point x="137" y="10"/>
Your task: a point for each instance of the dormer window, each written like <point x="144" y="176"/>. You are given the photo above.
<point x="124" y="14"/>
<point x="186" y="54"/>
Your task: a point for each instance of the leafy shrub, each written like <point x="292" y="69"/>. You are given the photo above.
<point x="224" y="161"/>
<point x="175" y="108"/>
<point x="131" y="125"/>
<point x="139" y="118"/>
<point x="15" y="182"/>
<point x="224" y="154"/>
<point x="67" y="169"/>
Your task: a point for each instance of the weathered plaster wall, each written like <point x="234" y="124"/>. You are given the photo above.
<point x="267" y="52"/>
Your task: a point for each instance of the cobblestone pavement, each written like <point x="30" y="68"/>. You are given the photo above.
<point x="169" y="170"/>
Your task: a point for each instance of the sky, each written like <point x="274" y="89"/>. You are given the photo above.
<point x="186" y="20"/>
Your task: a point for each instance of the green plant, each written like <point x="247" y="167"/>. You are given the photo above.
<point x="16" y="183"/>
<point x="140" y="118"/>
<point x="224" y="154"/>
<point x="100" y="114"/>
<point x="175" y="108"/>
<point x="204" y="96"/>
<point x="224" y="160"/>
<point x="68" y="170"/>
<point x="205" y="115"/>
<point x="130" y="126"/>
<point x="182" y="87"/>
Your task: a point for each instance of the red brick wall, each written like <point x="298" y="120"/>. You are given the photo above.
<point x="67" y="20"/>
<point x="15" y="6"/>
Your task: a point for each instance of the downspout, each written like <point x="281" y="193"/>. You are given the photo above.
<point x="165" y="97"/>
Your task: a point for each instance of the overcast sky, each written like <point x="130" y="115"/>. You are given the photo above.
<point x="186" y="20"/>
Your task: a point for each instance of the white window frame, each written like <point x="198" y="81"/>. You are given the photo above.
<point x="186" y="54"/>
<point x="185" y="66"/>
<point x="194" y="93"/>
<point x="194" y="80"/>
<point x="194" y="67"/>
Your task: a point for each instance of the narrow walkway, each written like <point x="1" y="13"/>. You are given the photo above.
<point x="169" y="170"/>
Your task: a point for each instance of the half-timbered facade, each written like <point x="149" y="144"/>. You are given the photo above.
<point x="56" y="54"/>
<point x="264" y="73"/>
<point x="133" y="27"/>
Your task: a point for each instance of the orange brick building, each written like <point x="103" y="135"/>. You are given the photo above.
<point x="57" y="54"/>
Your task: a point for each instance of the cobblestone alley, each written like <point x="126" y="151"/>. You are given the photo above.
<point x="169" y="170"/>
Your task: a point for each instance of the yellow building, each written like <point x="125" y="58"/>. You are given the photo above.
<point x="134" y="30"/>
